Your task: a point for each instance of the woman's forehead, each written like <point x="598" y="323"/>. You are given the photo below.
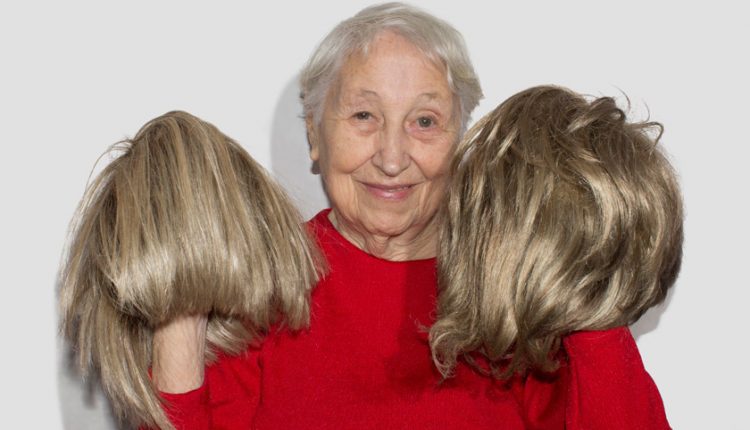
<point x="391" y="45"/>
<point x="394" y="71"/>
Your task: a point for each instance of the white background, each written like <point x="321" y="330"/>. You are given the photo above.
<point x="77" y="76"/>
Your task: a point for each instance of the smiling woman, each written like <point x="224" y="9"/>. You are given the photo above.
<point x="386" y="97"/>
<point x="383" y="146"/>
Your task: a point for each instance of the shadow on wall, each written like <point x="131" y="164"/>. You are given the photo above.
<point x="650" y="320"/>
<point x="290" y="159"/>
<point x="82" y="403"/>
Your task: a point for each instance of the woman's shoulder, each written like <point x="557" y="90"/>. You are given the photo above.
<point x="320" y="220"/>
<point x="322" y="229"/>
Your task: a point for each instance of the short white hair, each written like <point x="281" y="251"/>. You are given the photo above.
<point x="437" y="39"/>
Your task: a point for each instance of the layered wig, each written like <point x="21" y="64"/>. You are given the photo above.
<point x="182" y="222"/>
<point x="562" y="216"/>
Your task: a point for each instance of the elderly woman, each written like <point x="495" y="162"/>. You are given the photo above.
<point x="386" y="98"/>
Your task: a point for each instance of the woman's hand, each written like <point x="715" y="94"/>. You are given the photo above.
<point x="178" y="354"/>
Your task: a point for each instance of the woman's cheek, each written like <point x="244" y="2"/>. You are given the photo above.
<point x="350" y="153"/>
<point x="434" y="160"/>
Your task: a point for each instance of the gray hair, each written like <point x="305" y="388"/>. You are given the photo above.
<point x="439" y="41"/>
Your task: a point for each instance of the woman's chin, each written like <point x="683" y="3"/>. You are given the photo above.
<point x="385" y="222"/>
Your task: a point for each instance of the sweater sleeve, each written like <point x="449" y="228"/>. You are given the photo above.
<point x="608" y="386"/>
<point x="227" y="399"/>
<point x="188" y="411"/>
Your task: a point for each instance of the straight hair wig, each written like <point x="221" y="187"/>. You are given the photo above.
<point x="183" y="222"/>
<point x="562" y="216"/>
<point x="437" y="39"/>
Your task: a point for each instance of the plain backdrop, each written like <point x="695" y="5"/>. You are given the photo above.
<point x="77" y="76"/>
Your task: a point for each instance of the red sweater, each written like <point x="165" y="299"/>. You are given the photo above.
<point x="365" y="363"/>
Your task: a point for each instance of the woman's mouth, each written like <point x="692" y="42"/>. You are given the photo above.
<point x="390" y="192"/>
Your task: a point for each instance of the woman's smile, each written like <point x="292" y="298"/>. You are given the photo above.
<point x="395" y="192"/>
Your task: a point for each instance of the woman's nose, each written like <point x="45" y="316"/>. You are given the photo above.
<point x="392" y="156"/>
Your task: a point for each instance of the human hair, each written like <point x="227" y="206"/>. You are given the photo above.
<point x="562" y="216"/>
<point x="437" y="39"/>
<point x="183" y="222"/>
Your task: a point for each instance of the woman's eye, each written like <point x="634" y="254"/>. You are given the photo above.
<point x="363" y="116"/>
<point x="425" y="122"/>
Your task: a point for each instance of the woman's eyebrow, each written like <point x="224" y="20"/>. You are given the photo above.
<point x="429" y="96"/>
<point x="367" y="94"/>
<point x="358" y="96"/>
<point x="435" y="96"/>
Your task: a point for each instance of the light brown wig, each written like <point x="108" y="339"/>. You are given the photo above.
<point x="183" y="222"/>
<point x="562" y="216"/>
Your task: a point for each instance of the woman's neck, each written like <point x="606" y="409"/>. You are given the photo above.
<point x="411" y="245"/>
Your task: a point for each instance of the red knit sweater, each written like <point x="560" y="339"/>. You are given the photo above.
<point x="365" y="364"/>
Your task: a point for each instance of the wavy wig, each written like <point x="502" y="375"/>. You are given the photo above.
<point x="562" y="216"/>
<point x="183" y="222"/>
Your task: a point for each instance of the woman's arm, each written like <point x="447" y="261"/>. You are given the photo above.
<point x="178" y="354"/>
<point x="609" y="387"/>
<point x="601" y="384"/>
<point x="177" y="371"/>
<point x="224" y="394"/>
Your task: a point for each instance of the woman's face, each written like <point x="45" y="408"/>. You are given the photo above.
<point x="385" y="139"/>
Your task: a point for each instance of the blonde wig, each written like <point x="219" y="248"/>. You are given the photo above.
<point x="183" y="222"/>
<point x="562" y="216"/>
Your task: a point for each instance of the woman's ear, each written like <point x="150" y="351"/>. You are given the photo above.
<point x="312" y="138"/>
